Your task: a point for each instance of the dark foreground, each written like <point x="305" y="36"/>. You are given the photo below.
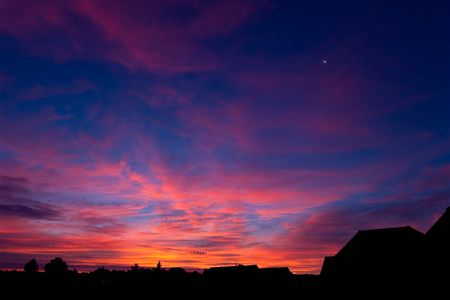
<point x="399" y="262"/>
<point x="239" y="282"/>
<point x="149" y="283"/>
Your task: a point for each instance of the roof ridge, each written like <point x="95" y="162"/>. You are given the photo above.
<point x="388" y="228"/>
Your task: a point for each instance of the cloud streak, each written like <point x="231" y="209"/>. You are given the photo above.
<point x="166" y="128"/>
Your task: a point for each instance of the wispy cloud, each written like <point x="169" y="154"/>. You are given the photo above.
<point x="164" y="128"/>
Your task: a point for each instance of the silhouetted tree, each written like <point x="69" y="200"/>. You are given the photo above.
<point x="31" y="266"/>
<point x="158" y="266"/>
<point x="56" y="266"/>
<point x="135" y="267"/>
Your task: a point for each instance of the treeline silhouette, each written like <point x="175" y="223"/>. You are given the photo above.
<point x="391" y="261"/>
<point x="169" y="281"/>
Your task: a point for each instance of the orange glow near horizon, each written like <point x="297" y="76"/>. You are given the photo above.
<point x="144" y="131"/>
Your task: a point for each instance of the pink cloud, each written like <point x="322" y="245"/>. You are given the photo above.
<point x="178" y="200"/>
<point x="145" y="36"/>
<point x="221" y="17"/>
<point x="221" y="227"/>
<point x="34" y="17"/>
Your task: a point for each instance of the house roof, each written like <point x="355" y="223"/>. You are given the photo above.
<point x="240" y="269"/>
<point x="385" y="239"/>
<point x="275" y="271"/>
<point x="440" y="231"/>
<point x="375" y="250"/>
<point x="398" y="249"/>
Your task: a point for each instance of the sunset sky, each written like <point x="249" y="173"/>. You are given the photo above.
<point x="207" y="133"/>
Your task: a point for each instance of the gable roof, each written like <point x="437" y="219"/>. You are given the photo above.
<point x="374" y="251"/>
<point x="401" y="250"/>
<point x="382" y="240"/>
<point x="440" y="231"/>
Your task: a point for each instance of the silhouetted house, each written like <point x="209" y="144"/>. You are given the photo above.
<point x="232" y="271"/>
<point x="438" y="246"/>
<point x="249" y="278"/>
<point x="282" y="272"/>
<point x="251" y="271"/>
<point x="274" y="275"/>
<point x="439" y="233"/>
<point x="379" y="253"/>
<point x="329" y="268"/>
<point x="399" y="257"/>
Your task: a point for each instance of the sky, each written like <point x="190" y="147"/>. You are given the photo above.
<point x="214" y="133"/>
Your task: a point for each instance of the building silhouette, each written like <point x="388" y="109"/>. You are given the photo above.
<point x="400" y="257"/>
